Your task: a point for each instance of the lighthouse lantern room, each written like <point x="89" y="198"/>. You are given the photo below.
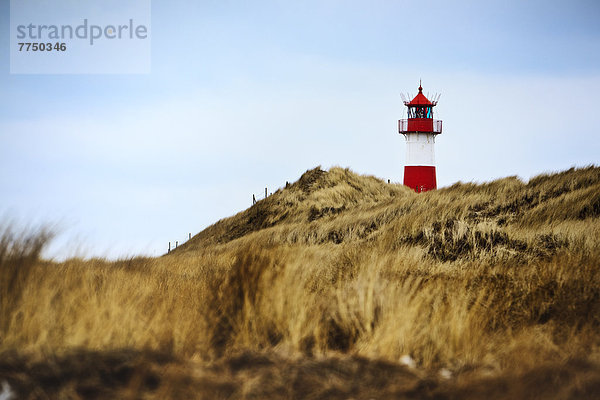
<point x="420" y="130"/>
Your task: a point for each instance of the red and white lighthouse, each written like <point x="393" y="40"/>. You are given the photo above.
<point x="420" y="130"/>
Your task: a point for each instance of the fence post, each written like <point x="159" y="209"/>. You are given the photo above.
<point x="169" y="248"/>
<point x="190" y="236"/>
<point x="388" y="181"/>
<point x="265" y="193"/>
<point x="176" y="243"/>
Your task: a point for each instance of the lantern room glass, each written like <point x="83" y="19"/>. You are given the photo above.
<point x="420" y="112"/>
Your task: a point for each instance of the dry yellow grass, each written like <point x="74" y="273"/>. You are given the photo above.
<point x="338" y="286"/>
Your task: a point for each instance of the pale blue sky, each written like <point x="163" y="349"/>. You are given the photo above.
<point x="244" y="95"/>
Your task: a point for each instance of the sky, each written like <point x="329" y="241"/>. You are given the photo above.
<point x="246" y="95"/>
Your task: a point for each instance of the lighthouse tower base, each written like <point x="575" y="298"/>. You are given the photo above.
<point x="420" y="178"/>
<point x="419" y="170"/>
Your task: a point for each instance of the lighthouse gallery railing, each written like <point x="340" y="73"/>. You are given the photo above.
<point x="425" y="125"/>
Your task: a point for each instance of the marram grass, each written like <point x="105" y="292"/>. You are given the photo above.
<point x="339" y="286"/>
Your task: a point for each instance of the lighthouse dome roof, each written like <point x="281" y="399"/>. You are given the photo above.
<point x="420" y="99"/>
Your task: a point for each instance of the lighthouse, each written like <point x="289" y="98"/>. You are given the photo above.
<point x="420" y="130"/>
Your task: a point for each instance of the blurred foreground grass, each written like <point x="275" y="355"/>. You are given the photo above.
<point x="339" y="286"/>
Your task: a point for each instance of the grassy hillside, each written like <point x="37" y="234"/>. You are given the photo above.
<point x="338" y="286"/>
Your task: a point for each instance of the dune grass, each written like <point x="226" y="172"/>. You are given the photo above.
<point x="338" y="286"/>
